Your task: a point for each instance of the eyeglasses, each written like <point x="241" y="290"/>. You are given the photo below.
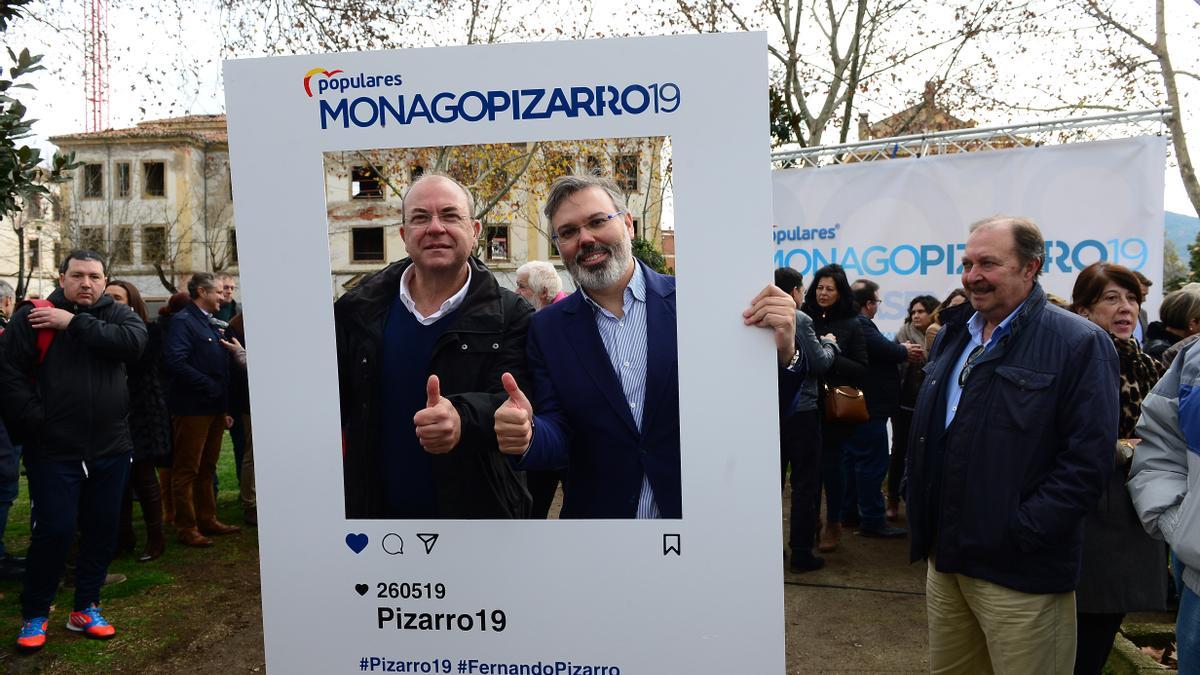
<point x="569" y="232"/>
<point x="423" y="219"/>
<point x="966" y="371"/>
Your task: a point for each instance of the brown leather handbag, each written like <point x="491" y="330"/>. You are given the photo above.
<point x="845" y="405"/>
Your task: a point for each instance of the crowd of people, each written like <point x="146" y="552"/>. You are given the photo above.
<point x="105" y="404"/>
<point x="1028" y="478"/>
<point x="1017" y="458"/>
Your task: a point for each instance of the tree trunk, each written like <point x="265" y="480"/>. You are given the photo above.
<point x="1187" y="171"/>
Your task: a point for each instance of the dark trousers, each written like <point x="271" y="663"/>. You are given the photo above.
<point x="542" y="486"/>
<point x="800" y="447"/>
<point x="10" y="478"/>
<point x="66" y="496"/>
<point x="901" y="424"/>
<point x="833" y="440"/>
<point x="237" y="436"/>
<point x="1094" y="640"/>
<point x="864" y="464"/>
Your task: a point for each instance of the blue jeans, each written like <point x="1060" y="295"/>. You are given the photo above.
<point x="66" y="496"/>
<point x="10" y="479"/>
<point x="864" y="465"/>
<point x="1187" y="624"/>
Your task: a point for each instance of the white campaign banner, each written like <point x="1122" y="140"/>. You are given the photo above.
<point x="903" y="223"/>
<point x="696" y="594"/>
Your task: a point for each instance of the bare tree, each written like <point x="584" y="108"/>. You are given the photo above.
<point x="1135" y="55"/>
<point x="829" y="53"/>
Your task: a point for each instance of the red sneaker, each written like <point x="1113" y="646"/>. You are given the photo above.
<point x="91" y="624"/>
<point x="33" y="634"/>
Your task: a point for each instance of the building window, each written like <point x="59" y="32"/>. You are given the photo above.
<point x="124" y="179"/>
<point x="233" y="254"/>
<point x="91" y="239"/>
<point x="626" y="170"/>
<point x="154" y="175"/>
<point x="497" y="242"/>
<point x="365" y="183"/>
<point x="594" y="166"/>
<point x="554" y="253"/>
<point x="93" y="180"/>
<point x="154" y="243"/>
<point x="35" y="253"/>
<point x="366" y="245"/>
<point x="122" y="247"/>
<point x="57" y="254"/>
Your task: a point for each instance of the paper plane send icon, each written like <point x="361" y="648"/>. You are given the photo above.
<point x="429" y="539"/>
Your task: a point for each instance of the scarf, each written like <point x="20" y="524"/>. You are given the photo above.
<point x="1139" y="373"/>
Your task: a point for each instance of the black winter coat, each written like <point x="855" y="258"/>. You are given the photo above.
<point x="196" y="364"/>
<point x="74" y="405"/>
<point x="487" y="339"/>
<point x="149" y="421"/>
<point x="1001" y="494"/>
<point x="882" y="382"/>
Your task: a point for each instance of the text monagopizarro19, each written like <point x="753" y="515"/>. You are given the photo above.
<point x="921" y="259"/>
<point x="520" y="104"/>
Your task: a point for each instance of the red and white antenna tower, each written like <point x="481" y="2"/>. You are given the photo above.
<point x="95" y="75"/>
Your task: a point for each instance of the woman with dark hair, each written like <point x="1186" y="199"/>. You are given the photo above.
<point x="920" y="316"/>
<point x="830" y="303"/>
<point x="150" y="429"/>
<point x="161" y="325"/>
<point x="957" y="297"/>
<point x="1123" y="568"/>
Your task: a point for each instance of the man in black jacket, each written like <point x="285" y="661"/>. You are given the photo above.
<point x="62" y="379"/>
<point x="421" y="347"/>
<point x="866" y="453"/>
<point x="1013" y="439"/>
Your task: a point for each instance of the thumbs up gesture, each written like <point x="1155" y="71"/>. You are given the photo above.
<point x="438" y="425"/>
<point x="514" y="419"/>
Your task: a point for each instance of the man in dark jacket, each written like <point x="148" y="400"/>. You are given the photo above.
<point x="197" y="368"/>
<point x="1013" y="438"/>
<point x="67" y="399"/>
<point x="865" y="455"/>
<point x="421" y="347"/>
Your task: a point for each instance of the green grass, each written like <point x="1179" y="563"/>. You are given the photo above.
<point x="144" y="608"/>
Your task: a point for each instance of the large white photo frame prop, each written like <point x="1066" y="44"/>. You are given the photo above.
<point x="696" y="595"/>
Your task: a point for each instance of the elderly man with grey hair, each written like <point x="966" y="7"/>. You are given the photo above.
<point x="538" y="282"/>
<point x="8" y="300"/>
<point x="1013" y="439"/>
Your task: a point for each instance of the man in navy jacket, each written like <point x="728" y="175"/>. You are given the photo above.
<point x="198" y="370"/>
<point x="1013" y="437"/>
<point x="604" y="366"/>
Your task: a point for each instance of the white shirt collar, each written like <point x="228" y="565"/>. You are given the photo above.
<point x="452" y="303"/>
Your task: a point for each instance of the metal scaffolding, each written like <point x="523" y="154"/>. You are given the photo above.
<point x="1026" y="134"/>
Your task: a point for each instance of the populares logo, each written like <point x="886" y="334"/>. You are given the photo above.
<point x="316" y="71"/>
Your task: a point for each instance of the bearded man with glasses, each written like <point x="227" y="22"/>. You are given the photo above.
<point x="1013" y="438"/>
<point x="605" y="395"/>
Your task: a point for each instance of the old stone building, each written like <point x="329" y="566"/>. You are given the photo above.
<point x="155" y="198"/>
<point x="509" y="182"/>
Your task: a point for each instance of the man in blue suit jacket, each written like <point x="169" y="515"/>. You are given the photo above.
<point x="603" y="366"/>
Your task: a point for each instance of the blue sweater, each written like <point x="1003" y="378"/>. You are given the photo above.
<point x="405" y="466"/>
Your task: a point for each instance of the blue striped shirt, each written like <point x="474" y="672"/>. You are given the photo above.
<point x="625" y="341"/>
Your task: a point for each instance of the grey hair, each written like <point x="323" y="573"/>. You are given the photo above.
<point x="565" y="186"/>
<point x="543" y="278"/>
<point x="439" y="174"/>
<point x="6" y="290"/>
<point x="1180" y="307"/>
<point x="1027" y="238"/>
<point x="200" y="280"/>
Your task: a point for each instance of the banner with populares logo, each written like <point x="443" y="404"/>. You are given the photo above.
<point x="903" y="223"/>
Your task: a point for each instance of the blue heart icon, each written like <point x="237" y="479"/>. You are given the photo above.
<point x="356" y="542"/>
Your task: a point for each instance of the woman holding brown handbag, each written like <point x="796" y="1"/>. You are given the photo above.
<point x="831" y="305"/>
